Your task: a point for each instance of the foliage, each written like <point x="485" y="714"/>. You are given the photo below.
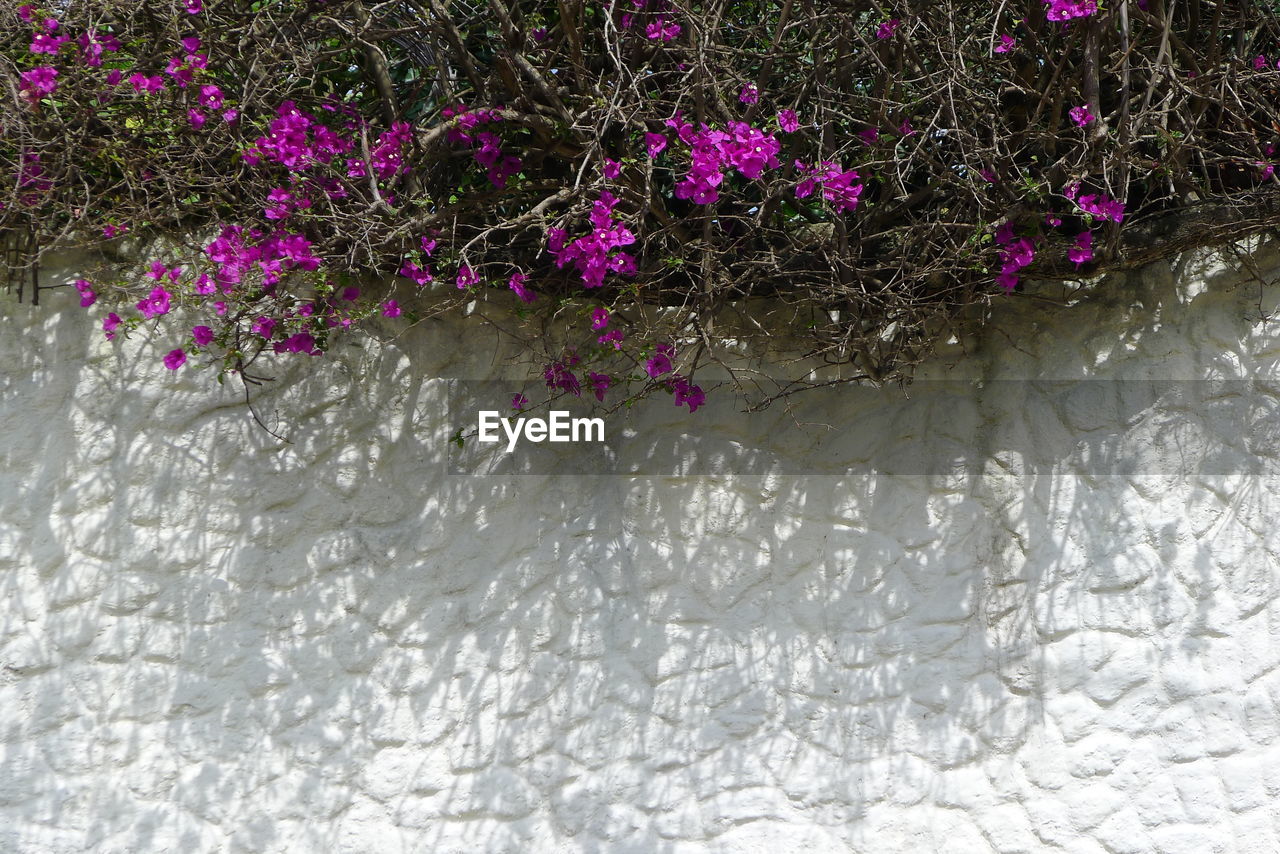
<point x="878" y="169"/>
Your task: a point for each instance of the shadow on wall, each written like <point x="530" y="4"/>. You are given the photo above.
<point x="218" y="643"/>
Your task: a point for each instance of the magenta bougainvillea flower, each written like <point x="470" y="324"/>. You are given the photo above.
<point x="686" y="393"/>
<point x="518" y="287"/>
<point x="175" y="359"/>
<point x="420" y="276"/>
<point x="599" y="384"/>
<point x="264" y="326"/>
<point x="1065" y="10"/>
<point x="597" y="253"/>
<point x="749" y="94"/>
<point x="466" y="277"/>
<point x="599" y="318"/>
<point x="1082" y="252"/>
<point x="787" y="121"/>
<point x="87" y="295"/>
<point x="660" y="362"/>
<point x="1081" y="115"/>
<point x="559" y="376"/>
<point x="155" y="304"/>
<point x="202" y="335"/>
<point x="839" y="187"/>
<point x="1007" y="43"/>
<point x="38" y="82"/>
<point x="662" y="29"/>
<point x="887" y="28"/>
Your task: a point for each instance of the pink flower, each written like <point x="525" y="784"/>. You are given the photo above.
<point x="1259" y="62"/>
<point x="660" y="362"/>
<point x="1065" y="10"/>
<point x="92" y="44"/>
<point x="282" y="204"/>
<point x="428" y="246"/>
<point x="750" y="94"/>
<point x="660" y="29"/>
<point x="26" y="12"/>
<point x="654" y="144"/>
<point x="787" y="121"/>
<point x="599" y="318"/>
<point x="613" y="336"/>
<point x="143" y="83"/>
<point x="466" y="277"/>
<point x="194" y="7"/>
<point x="519" y="402"/>
<point x="390" y="308"/>
<point x="229" y="116"/>
<point x="612" y="169"/>
<point x="420" y="276"/>
<point x="1083" y="251"/>
<point x="202" y="335"/>
<point x="38" y="82"/>
<point x="303" y="342"/>
<point x="869" y="136"/>
<point x="599" y="384"/>
<point x="48" y="43"/>
<point x="1007" y="43"/>
<point x="110" y="231"/>
<point x="87" y="295"/>
<point x="155" y="304"/>
<point x="210" y="97"/>
<point x="517" y="285"/>
<point x="264" y="326"/>
<point x="196" y="118"/>
<point x="885" y="30"/>
<point x="109" y="325"/>
<point x="1052" y="220"/>
<point x="686" y="393"/>
<point x="175" y="359"/>
<point x="190" y="44"/>
<point x="114" y="76"/>
<point x="558" y="375"/>
<point x="1081" y="115"/>
<point x="906" y="129"/>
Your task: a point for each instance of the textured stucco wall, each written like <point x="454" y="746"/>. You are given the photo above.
<point x="212" y="643"/>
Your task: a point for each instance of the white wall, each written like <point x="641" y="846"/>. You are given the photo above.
<point x="209" y="642"/>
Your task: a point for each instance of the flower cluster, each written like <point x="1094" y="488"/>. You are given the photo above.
<point x="38" y="82"/>
<point x="270" y="255"/>
<point x="1018" y="252"/>
<point x="297" y="141"/>
<point x="741" y="147"/>
<point x="839" y="187"/>
<point x="1065" y="10"/>
<point x="1098" y="205"/>
<point x="1082" y="251"/>
<point x="597" y="253"/>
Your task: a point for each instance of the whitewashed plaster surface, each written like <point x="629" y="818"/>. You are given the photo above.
<point x="210" y="642"/>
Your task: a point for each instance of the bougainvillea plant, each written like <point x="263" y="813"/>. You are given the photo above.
<point x="623" y="173"/>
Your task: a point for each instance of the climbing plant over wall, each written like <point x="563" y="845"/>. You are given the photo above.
<point x="624" y="171"/>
